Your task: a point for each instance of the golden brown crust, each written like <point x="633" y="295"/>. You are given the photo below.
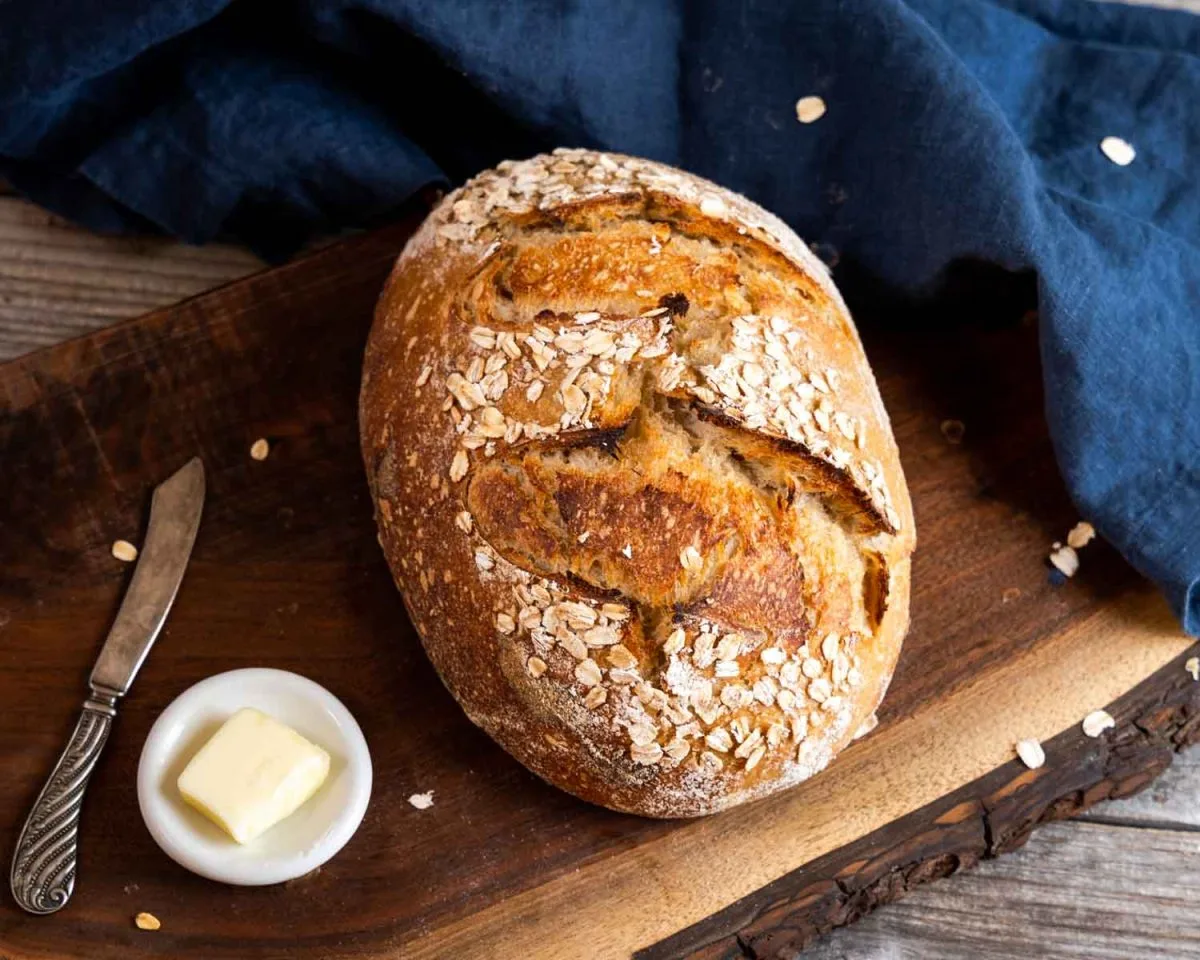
<point x="635" y="482"/>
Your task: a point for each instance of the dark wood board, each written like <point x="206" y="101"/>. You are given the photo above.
<point x="287" y="573"/>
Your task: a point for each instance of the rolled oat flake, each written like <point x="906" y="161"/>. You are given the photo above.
<point x="1119" y="151"/>
<point x="1096" y="722"/>
<point x="1031" y="753"/>
<point x="810" y="109"/>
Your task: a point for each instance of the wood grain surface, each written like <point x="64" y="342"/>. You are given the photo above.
<point x="286" y="573"/>
<point x="57" y="281"/>
<point x="1078" y="892"/>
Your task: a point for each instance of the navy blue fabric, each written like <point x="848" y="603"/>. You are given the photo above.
<point x="957" y="129"/>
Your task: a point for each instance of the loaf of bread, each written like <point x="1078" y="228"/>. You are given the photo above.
<point x="636" y="483"/>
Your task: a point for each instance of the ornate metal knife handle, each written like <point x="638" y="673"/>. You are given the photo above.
<point x="43" y="867"/>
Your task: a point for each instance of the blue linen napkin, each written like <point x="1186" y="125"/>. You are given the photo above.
<point x="955" y="129"/>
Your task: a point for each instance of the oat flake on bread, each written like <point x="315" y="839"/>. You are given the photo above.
<point x="635" y="480"/>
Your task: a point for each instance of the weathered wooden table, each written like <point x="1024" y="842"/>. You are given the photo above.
<point x="1120" y="881"/>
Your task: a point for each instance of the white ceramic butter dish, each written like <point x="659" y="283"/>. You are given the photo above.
<point x="297" y="844"/>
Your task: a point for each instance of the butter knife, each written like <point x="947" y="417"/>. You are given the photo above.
<point x="43" y="866"/>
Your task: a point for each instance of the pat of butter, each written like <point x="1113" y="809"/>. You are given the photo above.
<point x="252" y="773"/>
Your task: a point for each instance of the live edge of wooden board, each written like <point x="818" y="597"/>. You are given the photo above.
<point x="286" y="573"/>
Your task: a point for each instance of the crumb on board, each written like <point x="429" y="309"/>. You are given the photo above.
<point x="124" y="551"/>
<point x="1096" y="722"/>
<point x="146" y="921"/>
<point x="1064" y="559"/>
<point x="1031" y="753"/>
<point x="953" y="431"/>
<point x="810" y="109"/>
<point x="422" y="801"/>
<point x="1192" y="666"/>
<point x="1010" y="594"/>
<point x="260" y="448"/>
<point x="1080" y="535"/>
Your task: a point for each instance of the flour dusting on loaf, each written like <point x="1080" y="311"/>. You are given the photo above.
<point x="635" y="482"/>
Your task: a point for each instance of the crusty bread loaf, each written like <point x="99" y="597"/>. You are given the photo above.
<point x="635" y="481"/>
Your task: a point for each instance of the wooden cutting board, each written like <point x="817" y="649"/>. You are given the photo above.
<point x="287" y="573"/>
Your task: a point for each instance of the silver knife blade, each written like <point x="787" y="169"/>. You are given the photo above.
<point x="174" y="520"/>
